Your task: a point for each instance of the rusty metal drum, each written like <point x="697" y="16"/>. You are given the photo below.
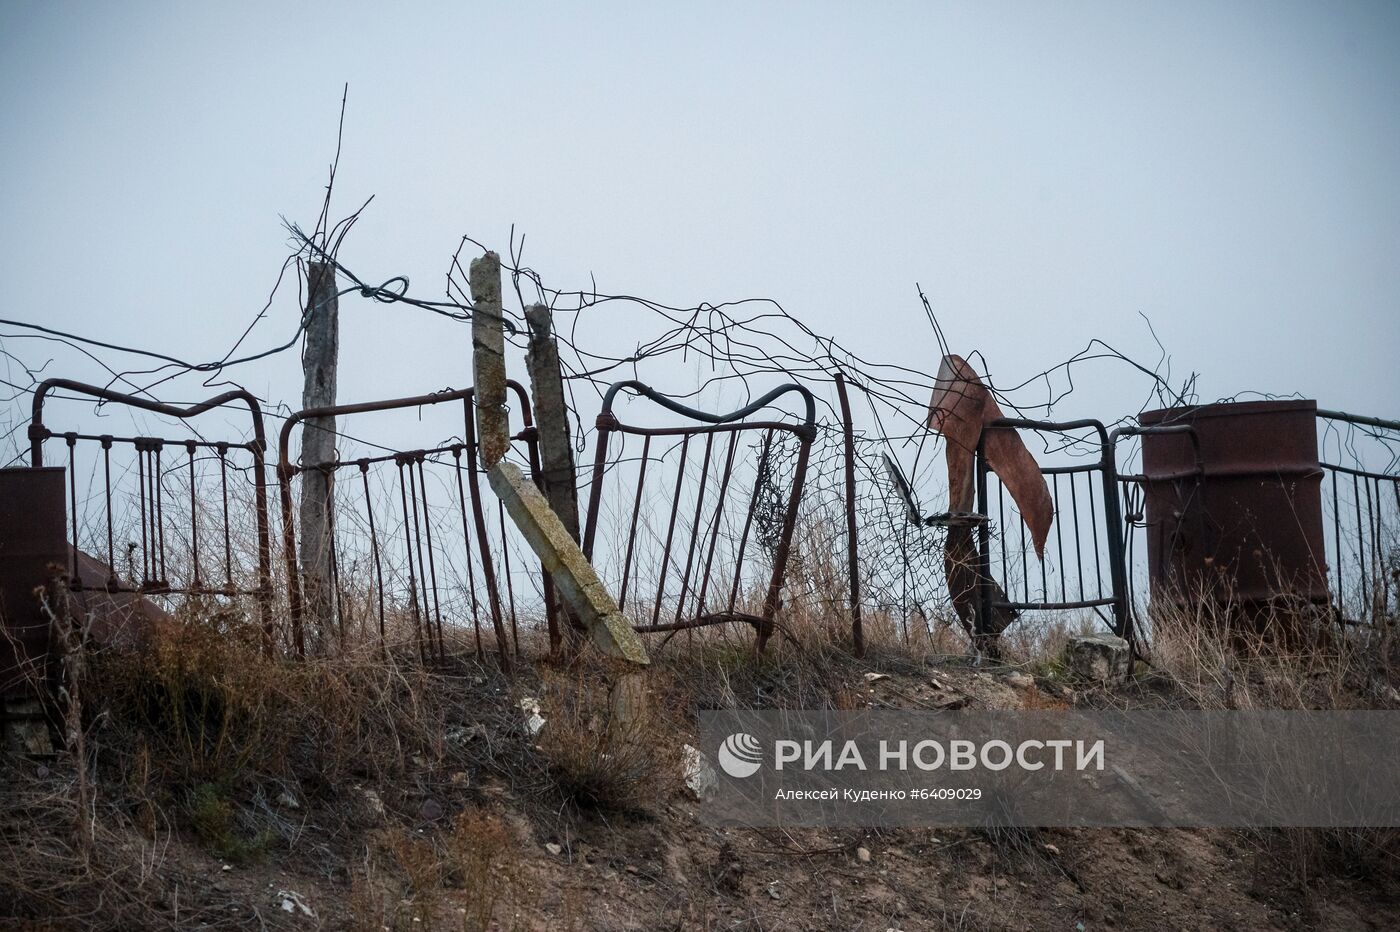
<point x="1240" y="517"/>
<point x="32" y="544"/>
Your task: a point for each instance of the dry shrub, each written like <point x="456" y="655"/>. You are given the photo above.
<point x="608" y="747"/>
<point x="462" y="879"/>
<point x="1276" y="662"/>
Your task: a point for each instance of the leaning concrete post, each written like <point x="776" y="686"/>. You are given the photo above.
<point x="552" y="418"/>
<point x="318" y="363"/>
<point x="488" y="359"/>
<point x="556" y="447"/>
<point x="573" y="575"/>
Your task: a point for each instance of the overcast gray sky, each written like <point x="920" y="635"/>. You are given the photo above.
<point x="1048" y="172"/>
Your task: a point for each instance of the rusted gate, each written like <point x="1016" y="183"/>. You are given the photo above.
<point x="707" y="540"/>
<point x="175" y="554"/>
<point x="440" y="543"/>
<point x="1083" y="566"/>
<point x="1362" y="510"/>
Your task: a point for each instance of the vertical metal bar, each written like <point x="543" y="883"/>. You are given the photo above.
<point x="780" y="557"/>
<point x="432" y="563"/>
<point x="983" y="606"/>
<point x="488" y="571"/>
<point x="1025" y="572"/>
<point x="72" y="441"/>
<point x="505" y="565"/>
<point x="467" y="550"/>
<point x="194" y="515"/>
<point x="1001" y="533"/>
<point x="408" y="550"/>
<point x="374" y="546"/>
<point x="222" y="449"/>
<point x="413" y="496"/>
<point x="337" y="601"/>
<point x="632" y="530"/>
<point x="285" y="473"/>
<point x="695" y="530"/>
<point x="748" y="519"/>
<point x="1114" y="532"/>
<point x="606" y="424"/>
<point x="141" y="483"/>
<point x="852" y="541"/>
<point x="1078" y="542"/>
<point x="704" y="587"/>
<point x="107" y="494"/>
<point x="670" y="533"/>
<point x="159" y="480"/>
<point x="1337" y="535"/>
<point x="1094" y="529"/>
<point x="1059" y="537"/>
<point x="1376" y="581"/>
<point x="1360" y="548"/>
<point x="258" y="449"/>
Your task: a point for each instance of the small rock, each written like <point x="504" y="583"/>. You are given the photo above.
<point x="287" y="800"/>
<point x="464" y="733"/>
<point x="431" y="810"/>
<point x="372" y="803"/>
<point x="1018" y="680"/>
<point x="773" y="890"/>
<point x="552" y="848"/>
<point x="1097" y="658"/>
<point x="460" y="778"/>
<point x="291" y="902"/>
<point x="534" y="721"/>
<point x="876" y="677"/>
<point x="1051" y="848"/>
<point x="863" y="855"/>
<point x="700" y="777"/>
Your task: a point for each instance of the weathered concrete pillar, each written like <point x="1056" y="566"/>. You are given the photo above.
<point x="488" y="359"/>
<point x="319" y="364"/>
<point x="558" y="474"/>
<point x="552" y="418"/>
<point x="573" y="575"/>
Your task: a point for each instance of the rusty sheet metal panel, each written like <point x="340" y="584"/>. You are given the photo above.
<point x="1248" y="522"/>
<point x="32" y="542"/>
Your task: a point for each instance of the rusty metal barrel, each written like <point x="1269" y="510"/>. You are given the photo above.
<point x="1238" y="514"/>
<point x="32" y="543"/>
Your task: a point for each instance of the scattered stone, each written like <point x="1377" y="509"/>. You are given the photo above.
<point x="700" y="777"/>
<point x="1018" y="680"/>
<point x="773" y="890"/>
<point x="431" y="810"/>
<point x="1097" y="658"/>
<point x="460" y="778"/>
<point x="462" y="734"/>
<point x="863" y="855"/>
<point x="534" y="721"/>
<point x="876" y="677"/>
<point x="552" y="848"/>
<point x="291" y="902"/>
<point x="1051" y="848"/>
<point x="372" y="803"/>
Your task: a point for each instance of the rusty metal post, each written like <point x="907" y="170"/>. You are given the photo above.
<point x="319" y="362"/>
<point x="555" y="445"/>
<point x="852" y="542"/>
<point x="488" y="359"/>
